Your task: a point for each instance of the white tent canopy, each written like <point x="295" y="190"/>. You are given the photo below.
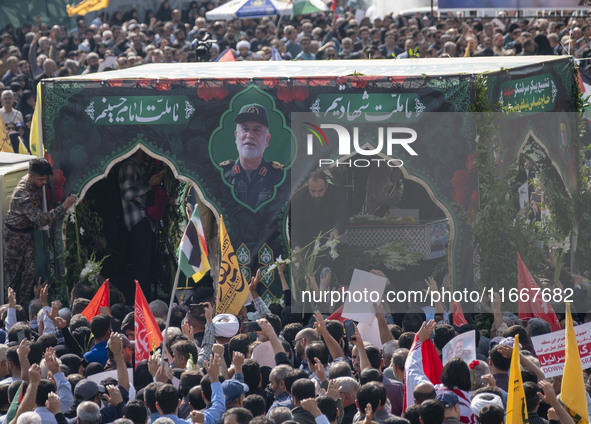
<point x="255" y="9"/>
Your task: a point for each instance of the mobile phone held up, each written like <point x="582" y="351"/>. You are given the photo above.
<point x="349" y="329"/>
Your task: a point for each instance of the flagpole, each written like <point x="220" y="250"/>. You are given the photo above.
<point x="176" y="281"/>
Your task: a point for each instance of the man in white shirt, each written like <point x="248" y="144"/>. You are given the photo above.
<point x="8" y="113"/>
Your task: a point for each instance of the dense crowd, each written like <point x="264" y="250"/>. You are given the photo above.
<point x="265" y="365"/>
<point x="40" y="50"/>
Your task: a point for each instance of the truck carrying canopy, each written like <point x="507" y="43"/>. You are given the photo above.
<point x="185" y="115"/>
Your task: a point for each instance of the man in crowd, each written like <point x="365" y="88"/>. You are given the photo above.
<point x="24" y="216"/>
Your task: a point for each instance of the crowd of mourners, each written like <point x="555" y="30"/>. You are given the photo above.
<point x="265" y="365"/>
<point x="53" y="358"/>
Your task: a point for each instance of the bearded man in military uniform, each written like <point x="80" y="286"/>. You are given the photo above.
<point x="24" y="216"/>
<point x="254" y="178"/>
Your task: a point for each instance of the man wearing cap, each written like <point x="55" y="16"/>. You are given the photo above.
<point x="234" y="391"/>
<point x="451" y="403"/>
<point x="254" y="178"/>
<point x="24" y="215"/>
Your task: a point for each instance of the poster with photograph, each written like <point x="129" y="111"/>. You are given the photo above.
<point x="462" y="346"/>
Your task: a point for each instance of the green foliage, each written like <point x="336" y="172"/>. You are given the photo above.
<point x="169" y="236"/>
<point x="497" y="230"/>
<point x="582" y="149"/>
<point x="85" y="240"/>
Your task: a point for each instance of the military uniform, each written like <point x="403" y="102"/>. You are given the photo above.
<point x="253" y="187"/>
<point x="24" y="216"/>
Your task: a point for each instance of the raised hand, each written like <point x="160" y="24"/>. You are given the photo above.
<point x="53" y="403"/>
<point x="426" y="330"/>
<point x="197" y="417"/>
<point x="238" y="361"/>
<point x="333" y="390"/>
<point x="51" y="361"/>
<point x="311" y="406"/>
<point x="254" y="282"/>
<point x="11" y="298"/>
<point x="318" y="368"/>
<point x="114" y="397"/>
<point x="208" y="310"/>
<point x="188" y="331"/>
<point x="153" y="364"/>
<point x="115" y="343"/>
<point x="34" y="374"/>
<point x="213" y="368"/>
<point x="320" y="324"/>
<point x="44" y="295"/>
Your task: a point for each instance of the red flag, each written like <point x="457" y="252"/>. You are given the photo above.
<point x="333" y="6"/>
<point x="147" y="332"/>
<point x="100" y="299"/>
<point x="227" y="56"/>
<point x="535" y="307"/>
<point x="458" y="315"/>
<point x="336" y="315"/>
<point x="431" y="362"/>
<point x="432" y="368"/>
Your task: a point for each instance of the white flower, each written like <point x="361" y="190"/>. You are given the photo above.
<point x="316" y="250"/>
<point x="85" y="272"/>
<point x="332" y="244"/>
<point x="72" y="218"/>
<point x="333" y="253"/>
<point x="279" y="259"/>
<point x="271" y="268"/>
<point x="81" y="231"/>
<point x="287" y="261"/>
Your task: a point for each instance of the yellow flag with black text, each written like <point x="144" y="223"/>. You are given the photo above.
<point x="516" y="406"/>
<point x="35" y="137"/>
<point x="572" y="392"/>
<point x="232" y="287"/>
<point x="5" y="144"/>
<point x="86" y="6"/>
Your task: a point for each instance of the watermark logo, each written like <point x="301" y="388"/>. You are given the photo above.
<point x="348" y="142"/>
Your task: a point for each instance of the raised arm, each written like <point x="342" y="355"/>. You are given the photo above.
<point x="358" y="343"/>
<point x="413" y="368"/>
<point x="208" y="337"/>
<point x="28" y="402"/>
<point x="267" y="330"/>
<point x="549" y="396"/>
<point x="333" y="346"/>
<point x="115" y="343"/>
<point x="257" y="302"/>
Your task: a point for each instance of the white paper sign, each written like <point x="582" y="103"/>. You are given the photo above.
<point x="371" y="333"/>
<point x="550" y="349"/>
<point x="365" y="290"/>
<point x="461" y="346"/>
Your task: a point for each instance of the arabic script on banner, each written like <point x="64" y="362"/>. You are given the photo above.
<point x="550" y="349"/>
<point x="532" y="94"/>
<point x="140" y="110"/>
<point x="368" y="107"/>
